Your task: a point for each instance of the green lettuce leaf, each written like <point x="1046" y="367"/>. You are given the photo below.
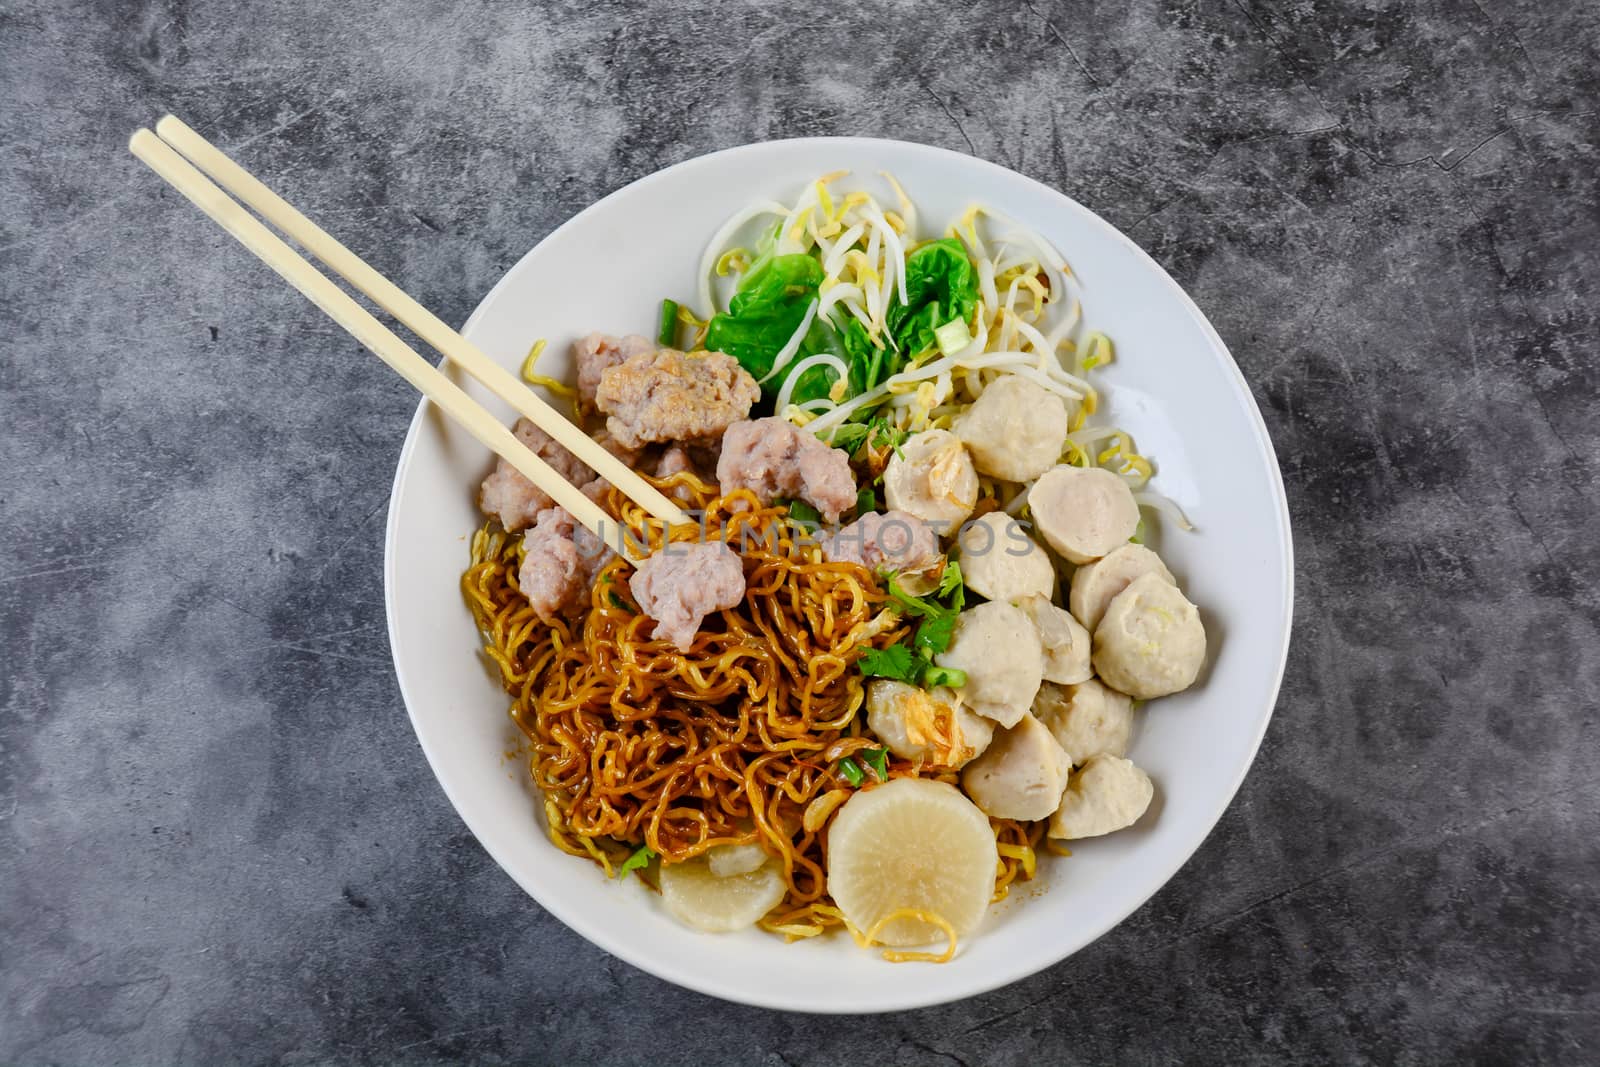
<point x="941" y="287"/>
<point x="763" y="315"/>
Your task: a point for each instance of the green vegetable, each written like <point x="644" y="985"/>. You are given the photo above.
<point x="869" y="361"/>
<point x="620" y="604"/>
<point x="933" y="635"/>
<point x="953" y="585"/>
<point x="878" y="760"/>
<point x="667" y="331"/>
<point x="866" y="500"/>
<point x="896" y="661"/>
<point x="1138" y="533"/>
<point x="800" y="511"/>
<point x="638" y="861"/>
<point x="878" y="433"/>
<point x="934" y="677"/>
<point x="951" y="588"/>
<point x="953" y="336"/>
<point x="941" y="288"/>
<point x="773" y="298"/>
<point x="850" y="437"/>
<point x="851" y="771"/>
<point x="886" y="436"/>
<point x="936" y="615"/>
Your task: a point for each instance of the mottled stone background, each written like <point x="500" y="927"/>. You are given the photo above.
<point x="219" y="841"/>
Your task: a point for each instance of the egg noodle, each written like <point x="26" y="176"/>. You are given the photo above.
<point x="738" y="740"/>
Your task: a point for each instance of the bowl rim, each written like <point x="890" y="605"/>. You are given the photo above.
<point x="978" y="983"/>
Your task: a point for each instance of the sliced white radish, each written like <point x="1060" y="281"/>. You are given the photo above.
<point x="728" y="860"/>
<point x="911" y="844"/>
<point x="700" y="899"/>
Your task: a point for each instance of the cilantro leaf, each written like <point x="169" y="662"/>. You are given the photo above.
<point x="935" y="630"/>
<point x="638" y="861"/>
<point x="933" y="636"/>
<point x="895" y="662"/>
<point x="886" y="436"/>
<point x="952" y="584"/>
<point x="878" y="760"/>
<point x="876" y="433"/>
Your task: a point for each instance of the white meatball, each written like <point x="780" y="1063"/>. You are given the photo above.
<point x="998" y="647"/>
<point x="1021" y="776"/>
<point x="932" y="477"/>
<point x="927" y="726"/>
<point x="1015" y="430"/>
<point x="1094" y="584"/>
<point x="999" y="561"/>
<point x="1108" y="794"/>
<point x="1150" y="641"/>
<point x="1066" y="644"/>
<point x="1083" y="512"/>
<point x="1087" y="719"/>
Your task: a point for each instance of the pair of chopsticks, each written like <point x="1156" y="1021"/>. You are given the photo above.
<point x="185" y="159"/>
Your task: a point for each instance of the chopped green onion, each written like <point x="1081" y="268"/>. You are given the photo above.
<point x="638" y="861"/>
<point x="850" y="436"/>
<point x="618" y="603"/>
<point x="667" y="332"/>
<point x="851" y="771"/>
<point x="953" y="336"/>
<point x="800" y="511"/>
<point x="887" y="436"/>
<point x="948" y="676"/>
<point x="866" y="500"/>
<point x="878" y="760"/>
<point x="1138" y="533"/>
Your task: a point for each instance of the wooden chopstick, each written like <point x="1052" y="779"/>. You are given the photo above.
<point x="253" y="194"/>
<point x="376" y="337"/>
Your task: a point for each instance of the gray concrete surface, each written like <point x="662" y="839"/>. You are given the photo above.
<point x="219" y="842"/>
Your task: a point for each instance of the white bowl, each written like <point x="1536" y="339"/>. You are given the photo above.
<point x="1173" y="385"/>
